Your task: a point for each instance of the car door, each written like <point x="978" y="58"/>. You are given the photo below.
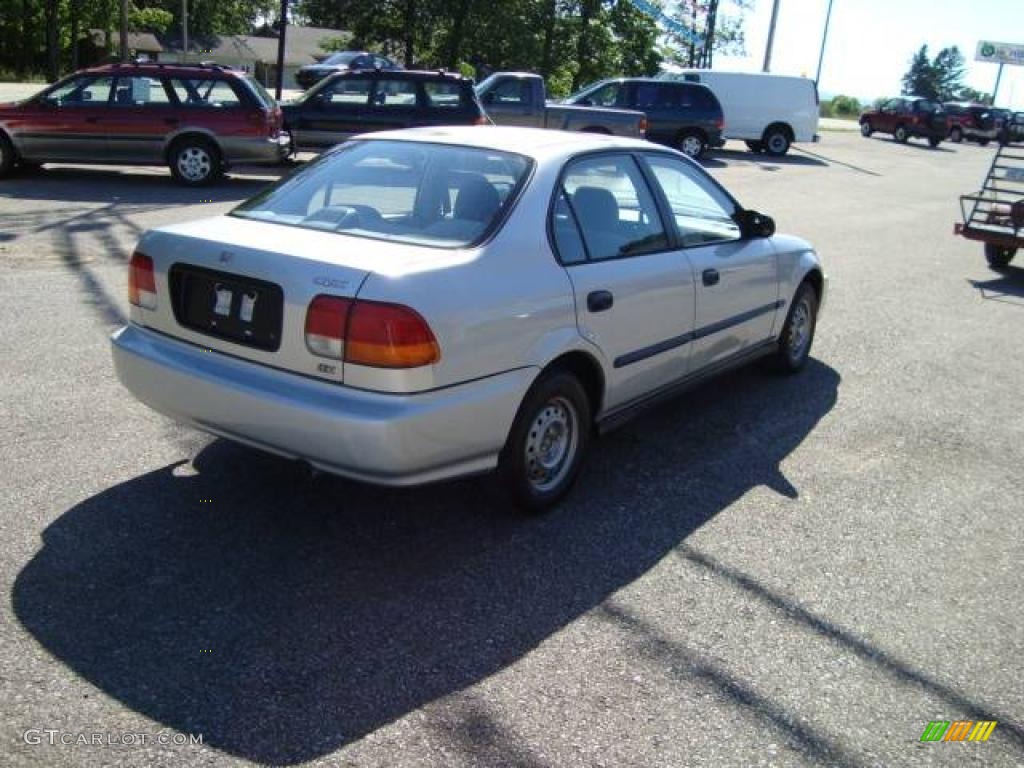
<point x="887" y="116"/>
<point x="333" y="113"/>
<point x="66" y="123"/>
<point x="737" y="282"/>
<point x="634" y="292"/>
<point x="140" y="117"/>
<point x="510" y="103"/>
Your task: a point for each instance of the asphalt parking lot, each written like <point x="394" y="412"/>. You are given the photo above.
<point x="771" y="571"/>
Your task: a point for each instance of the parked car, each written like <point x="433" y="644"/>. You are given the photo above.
<point x="309" y="75"/>
<point x="348" y="103"/>
<point x="197" y="120"/>
<point x="423" y="304"/>
<point x="974" y="122"/>
<point x="519" y="98"/>
<point x="905" y="118"/>
<point x="1014" y="128"/>
<point x="686" y="116"/>
<point x="768" y="112"/>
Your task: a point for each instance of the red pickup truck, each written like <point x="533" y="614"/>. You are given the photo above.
<point x="907" y="117"/>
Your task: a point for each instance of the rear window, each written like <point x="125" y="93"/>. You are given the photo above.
<point x="259" y="92"/>
<point x="427" y="194"/>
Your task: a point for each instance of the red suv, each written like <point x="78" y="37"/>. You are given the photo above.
<point x="907" y="117"/>
<point x="195" y="119"/>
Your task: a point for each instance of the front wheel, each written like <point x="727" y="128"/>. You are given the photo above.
<point x="195" y="162"/>
<point x="547" y="442"/>
<point x="865" y="129"/>
<point x="956" y="135"/>
<point x="998" y="256"/>
<point x="901" y="134"/>
<point x="798" y="331"/>
<point x="776" y="142"/>
<point x="983" y="142"/>
<point x="934" y="141"/>
<point x="692" y="144"/>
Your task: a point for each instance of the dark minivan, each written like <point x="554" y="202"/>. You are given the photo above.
<point x="348" y="103"/>
<point x="686" y="116"/>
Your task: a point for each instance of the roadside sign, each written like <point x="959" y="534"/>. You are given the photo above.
<point x="1000" y="53"/>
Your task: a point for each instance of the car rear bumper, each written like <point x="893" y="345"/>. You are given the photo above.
<point x="375" y="437"/>
<point x="257" y="150"/>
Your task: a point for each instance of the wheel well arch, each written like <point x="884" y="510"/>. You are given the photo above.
<point x="10" y="140"/>
<point x="691" y="131"/>
<point x="786" y="129"/>
<point x="816" y="281"/>
<point x="588" y="370"/>
<point x="177" y="138"/>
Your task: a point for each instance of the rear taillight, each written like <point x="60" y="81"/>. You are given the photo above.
<point x="643" y="126"/>
<point x="326" y="324"/>
<point x="369" y="333"/>
<point x="141" y="281"/>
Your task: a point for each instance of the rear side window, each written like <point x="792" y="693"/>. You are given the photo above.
<point x="443" y="95"/>
<point x="511" y="93"/>
<point x="395" y="93"/>
<point x="611" y="204"/>
<point x="209" y="92"/>
<point x="140" y="92"/>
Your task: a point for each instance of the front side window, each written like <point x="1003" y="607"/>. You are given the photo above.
<point x="609" y="201"/>
<point x="427" y="194"/>
<point x="608" y="95"/>
<point x="351" y="91"/>
<point x="702" y="212"/>
<point x="85" y="91"/>
<point x="511" y="93"/>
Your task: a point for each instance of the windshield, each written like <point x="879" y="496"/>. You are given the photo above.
<point x="428" y="194"/>
<point x="583" y="92"/>
<point x="335" y="59"/>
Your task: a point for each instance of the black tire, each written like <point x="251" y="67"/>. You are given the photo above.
<point x="755" y="146"/>
<point x="900" y="134"/>
<point x="983" y="142"/>
<point x="195" y="161"/>
<point x="956" y="135"/>
<point x="555" y="408"/>
<point x="692" y="143"/>
<point x="7" y="156"/>
<point x="776" y="140"/>
<point x="999" y="257"/>
<point x="934" y="141"/>
<point x="866" y="129"/>
<point x="797" y="334"/>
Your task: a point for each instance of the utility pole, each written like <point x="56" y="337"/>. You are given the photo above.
<point x="280" y="49"/>
<point x="824" y="37"/>
<point x="999" y="76"/>
<point x="771" y="38"/>
<point x="124" y="32"/>
<point x="184" y="31"/>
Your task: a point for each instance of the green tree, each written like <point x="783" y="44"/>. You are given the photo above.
<point x="940" y="78"/>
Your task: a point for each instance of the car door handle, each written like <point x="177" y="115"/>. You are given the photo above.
<point x="710" y="277"/>
<point x="599" y="301"/>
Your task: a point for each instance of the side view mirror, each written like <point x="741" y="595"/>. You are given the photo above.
<point x="754" y="224"/>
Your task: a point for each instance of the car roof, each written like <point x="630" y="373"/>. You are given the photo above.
<point x="538" y="143"/>
<point x="409" y="74"/>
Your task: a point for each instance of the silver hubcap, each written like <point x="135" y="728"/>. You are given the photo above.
<point x="776" y="143"/>
<point x="901" y="133"/>
<point x="551" y="444"/>
<point x="195" y="163"/>
<point x="865" y="129"/>
<point x="800" y="330"/>
<point x="691" y="146"/>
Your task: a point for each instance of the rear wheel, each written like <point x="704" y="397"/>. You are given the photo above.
<point x="983" y="142"/>
<point x="776" y="140"/>
<point x="956" y="135"/>
<point x="901" y="134"/>
<point x="692" y="143"/>
<point x="547" y="442"/>
<point x="998" y="256"/>
<point x="195" y="161"/>
<point x="798" y="331"/>
<point x="934" y="141"/>
<point x="865" y="128"/>
<point x="6" y="155"/>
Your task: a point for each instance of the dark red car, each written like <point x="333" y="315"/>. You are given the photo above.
<point x="907" y="117"/>
<point x="197" y="120"/>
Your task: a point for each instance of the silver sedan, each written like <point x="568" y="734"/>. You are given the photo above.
<point x="418" y="305"/>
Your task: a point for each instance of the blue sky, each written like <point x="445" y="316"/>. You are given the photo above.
<point x="870" y="42"/>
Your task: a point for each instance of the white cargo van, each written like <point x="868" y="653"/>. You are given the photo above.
<point x="769" y="112"/>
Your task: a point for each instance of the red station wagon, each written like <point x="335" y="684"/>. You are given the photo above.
<point x="197" y="120"/>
